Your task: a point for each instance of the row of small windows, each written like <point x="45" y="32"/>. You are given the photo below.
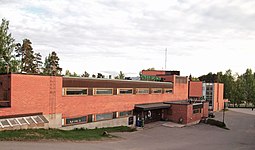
<point x="97" y="117"/>
<point x="109" y="91"/>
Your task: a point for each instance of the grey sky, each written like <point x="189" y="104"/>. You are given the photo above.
<point x="131" y="35"/>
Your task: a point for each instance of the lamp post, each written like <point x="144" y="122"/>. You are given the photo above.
<point x="223" y="118"/>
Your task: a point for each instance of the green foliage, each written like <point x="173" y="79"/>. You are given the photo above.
<point x="237" y="88"/>
<point x="7" y="45"/>
<point x="30" y="62"/>
<point x="149" y="78"/>
<point x="150" y="69"/>
<point x="121" y="75"/>
<point x="191" y="78"/>
<point x="55" y="134"/>
<point x="51" y="65"/>
<point x="69" y="74"/>
<point x="209" y="78"/>
<point x="100" y="75"/>
<point x="85" y="74"/>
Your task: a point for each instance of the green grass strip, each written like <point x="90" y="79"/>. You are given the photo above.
<point x="56" y="134"/>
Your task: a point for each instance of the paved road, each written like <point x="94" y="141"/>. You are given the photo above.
<point x="241" y="136"/>
<point x="244" y="110"/>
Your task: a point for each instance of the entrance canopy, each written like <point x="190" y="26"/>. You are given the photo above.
<point x="151" y="106"/>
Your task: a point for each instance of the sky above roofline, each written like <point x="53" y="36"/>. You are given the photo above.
<point x="200" y="36"/>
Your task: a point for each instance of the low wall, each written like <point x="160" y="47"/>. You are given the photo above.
<point x="102" y="124"/>
<point x="55" y="121"/>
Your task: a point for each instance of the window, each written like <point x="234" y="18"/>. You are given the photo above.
<point x="125" y="113"/>
<point x="143" y="91"/>
<point x="198" y="110"/>
<point x="75" y="91"/>
<point x="103" y="91"/>
<point x="70" y="121"/>
<point x="169" y="91"/>
<point x="156" y="91"/>
<point x="104" y="116"/>
<point x="90" y="118"/>
<point x="125" y="91"/>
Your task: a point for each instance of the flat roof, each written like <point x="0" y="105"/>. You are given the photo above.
<point x="180" y="102"/>
<point x="104" y="79"/>
<point x="112" y="83"/>
<point x="151" y="106"/>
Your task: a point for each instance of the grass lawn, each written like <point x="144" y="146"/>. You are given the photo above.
<point x="56" y="134"/>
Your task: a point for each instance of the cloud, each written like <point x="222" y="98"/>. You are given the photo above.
<point x="132" y="35"/>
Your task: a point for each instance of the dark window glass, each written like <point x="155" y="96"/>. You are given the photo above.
<point x="195" y="111"/>
<point x="76" y="91"/>
<point x="158" y="91"/>
<point x="90" y="118"/>
<point x="168" y="91"/>
<point x="125" y="91"/>
<point x="114" y="115"/>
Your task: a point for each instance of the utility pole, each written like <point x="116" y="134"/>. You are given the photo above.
<point x="165" y="57"/>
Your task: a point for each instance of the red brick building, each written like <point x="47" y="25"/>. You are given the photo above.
<point x="65" y="102"/>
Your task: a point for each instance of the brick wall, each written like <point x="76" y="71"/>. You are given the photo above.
<point x="30" y="94"/>
<point x="195" y="89"/>
<point x="5" y="90"/>
<point x="176" y="112"/>
<point x="218" y="97"/>
<point x="153" y="72"/>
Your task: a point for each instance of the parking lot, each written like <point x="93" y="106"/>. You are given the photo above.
<point x="241" y="136"/>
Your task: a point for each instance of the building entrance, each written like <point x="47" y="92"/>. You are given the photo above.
<point x="151" y="112"/>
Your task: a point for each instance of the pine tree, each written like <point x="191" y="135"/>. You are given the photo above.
<point x="25" y="51"/>
<point x="37" y="63"/>
<point x="51" y="65"/>
<point x="85" y="74"/>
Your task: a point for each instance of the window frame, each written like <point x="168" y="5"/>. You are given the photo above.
<point x="86" y="120"/>
<point x="118" y="91"/>
<point x="64" y="92"/>
<point x="155" y="89"/>
<point x="131" y="113"/>
<point x="95" y="89"/>
<point x="168" y="89"/>
<point x="104" y="119"/>
<point x="138" y="89"/>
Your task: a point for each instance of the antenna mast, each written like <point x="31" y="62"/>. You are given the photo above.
<point x="165" y="57"/>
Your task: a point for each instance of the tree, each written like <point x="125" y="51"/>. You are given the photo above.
<point x="68" y="73"/>
<point x="37" y="63"/>
<point x="229" y="84"/>
<point x="209" y="78"/>
<point x="7" y="45"/>
<point x="150" y="69"/>
<point x="30" y="62"/>
<point x="121" y="75"/>
<point x="51" y="65"/>
<point x="93" y="76"/>
<point x="85" y="74"/>
<point x="249" y="82"/>
<point x="75" y="74"/>
<point x="191" y="78"/>
<point x="238" y="91"/>
<point x="100" y="75"/>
